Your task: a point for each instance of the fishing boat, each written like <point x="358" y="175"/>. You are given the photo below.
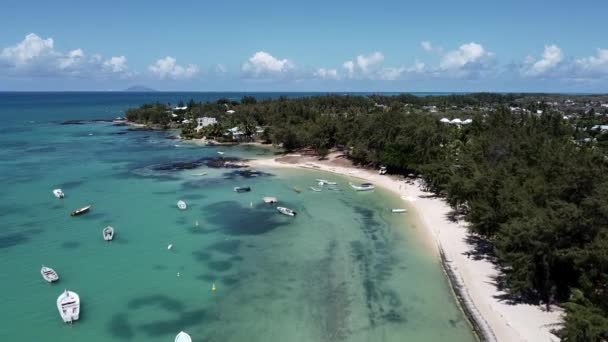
<point x="315" y="189"/>
<point x="399" y="210"/>
<point x="108" y="233"/>
<point x="49" y="274"/>
<point x="270" y="200"/>
<point x="242" y="189"/>
<point x="286" y="211"/>
<point x="58" y="193"/>
<point x="81" y="211"/>
<point x="68" y="304"/>
<point x="362" y="187"/>
<point x="183" y="337"/>
<point x="182" y="205"/>
<point x="326" y="182"/>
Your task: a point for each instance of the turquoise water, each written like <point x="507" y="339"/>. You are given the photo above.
<point x="344" y="269"/>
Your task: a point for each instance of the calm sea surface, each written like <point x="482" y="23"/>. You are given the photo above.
<point x="344" y="269"/>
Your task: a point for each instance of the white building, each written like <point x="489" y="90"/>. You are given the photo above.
<point x="181" y="108"/>
<point x="230" y="111"/>
<point x="204" y="122"/>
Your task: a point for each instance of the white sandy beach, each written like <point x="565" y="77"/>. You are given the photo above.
<point x="507" y="322"/>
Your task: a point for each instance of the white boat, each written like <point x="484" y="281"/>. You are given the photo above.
<point x="58" y="193"/>
<point x="108" y="233"/>
<point x="399" y="210"/>
<point x="183" y="337"/>
<point x="362" y="187"/>
<point x="326" y="182"/>
<point x="315" y="189"/>
<point x="269" y="199"/>
<point x="80" y="210"/>
<point x="182" y="205"/>
<point x="170" y="246"/>
<point x="286" y="211"/>
<point x="49" y="274"/>
<point x="68" y="304"/>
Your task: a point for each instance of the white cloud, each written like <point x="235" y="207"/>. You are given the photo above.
<point x="262" y="64"/>
<point x="326" y="73"/>
<point x="167" y="68"/>
<point x="426" y="46"/>
<point x="364" y="66"/>
<point x="37" y="57"/>
<point x="594" y="66"/>
<point x="350" y="68"/>
<point x="467" y="54"/>
<point x="551" y="58"/>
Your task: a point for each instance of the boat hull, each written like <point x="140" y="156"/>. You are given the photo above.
<point x="68" y="304"/>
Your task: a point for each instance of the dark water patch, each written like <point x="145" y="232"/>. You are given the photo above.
<point x="202" y="255"/>
<point x="91" y="216"/>
<point x="226" y="246"/>
<point x="15" y="129"/>
<point x="169" y="327"/>
<point x="245" y="174"/>
<point x="393" y="316"/>
<point x="19" y="238"/>
<point x="119" y="327"/>
<point x="206" y="278"/>
<point x="219" y="266"/>
<point x="161" y="301"/>
<point x="160" y="267"/>
<point x="72" y="122"/>
<point x="181" y="220"/>
<point x="118" y="133"/>
<point x="235" y="219"/>
<point x="70" y="184"/>
<point x="46" y="149"/>
<point x="198" y="183"/>
<point x="71" y="244"/>
<point x="202" y="230"/>
<point x="236" y="258"/>
<point x="193" y="197"/>
<point x="230" y="280"/>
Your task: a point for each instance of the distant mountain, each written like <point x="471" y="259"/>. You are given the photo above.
<point x="139" y="88"/>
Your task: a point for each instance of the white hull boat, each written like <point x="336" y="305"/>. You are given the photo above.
<point x="399" y="210"/>
<point x="362" y="187"/>
<point x="183" y="337"/>
<point x="80" y="211"/>
<point x="49" y="274"/>
<point x="286" y="211"/>
<point x="58" y="193"/>
<point x="326" y="182"/>
<point x="68" y="304"/>
<point x="182" y="205"/>
<point x="108" y="233"/>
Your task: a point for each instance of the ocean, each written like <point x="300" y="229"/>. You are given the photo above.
<point x="344" y="269"/>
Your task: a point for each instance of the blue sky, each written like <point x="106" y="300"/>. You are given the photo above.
<point x="466" y="45"/>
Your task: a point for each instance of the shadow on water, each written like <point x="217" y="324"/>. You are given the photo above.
<point x="14" y="239"/>
<point x="70" y="184"/>
<point x="234" y="219"/>
<point x="161" y="301"/>
<point x="71" y="244"/>
<point x="226" y="246"/>
<point x="119" y="326"/>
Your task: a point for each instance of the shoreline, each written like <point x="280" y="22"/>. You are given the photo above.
<point x="471" y="278"/>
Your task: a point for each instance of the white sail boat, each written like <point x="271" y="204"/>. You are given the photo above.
<point x="49" y="274"/>
<point x="68" y="304"/>
<point x="183" y="337"/>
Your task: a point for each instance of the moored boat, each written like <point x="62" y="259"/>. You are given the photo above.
<point x="242" y="189"/>
<point x="68" y="304"/>
<point x="183" y="337"/>
<point x="286" y="211"/>
<point x="362" y="187"/>
<point x="182" y="205"/>
<point x="58" y="193"/>
<point x="49" y="274"/>
<point x="80" y="211"/>
<point x="108" y="233"/>
<point x="326" y="182"/>
<point x="399" y="210"/>
<point x="269" y="199"/>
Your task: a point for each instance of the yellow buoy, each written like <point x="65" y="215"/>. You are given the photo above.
<point x="213" y="287"/>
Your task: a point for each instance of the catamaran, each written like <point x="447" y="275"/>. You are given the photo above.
<point x="80" y="210"/>
<point x="108" y="233"/>
<point x="286" y="211"/>
<point x="49" y="274"/>
<point x="183" y="337"/>
<point x="362" y="187"/>
<point x="182" y="205"/>
<point x="68" y="304"/>
<point x="58" y="193"/>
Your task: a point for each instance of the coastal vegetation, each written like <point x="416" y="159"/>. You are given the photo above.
<point x="529" y="174"/>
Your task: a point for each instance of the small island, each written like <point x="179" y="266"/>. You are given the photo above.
<point x="526" y="172"/>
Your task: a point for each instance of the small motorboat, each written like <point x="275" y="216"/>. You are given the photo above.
<point x="183" y="337"/>
<point x="326" y="182"/>
<point x="270" y="200"/>
<point x="49" y="274"/>
<point x="315" y="189"/>
<point x="108" y="233"/>
<point x="220" y="152"/>
<point x="362" y="187"/>
<point x="399" y="210"/>
<point x="68" y="304"/>
<point x="58" y="193"/>
<point x="81" y="210"/>
<point x="286" y="211"/>
<point x="182" y="205"/>
<point x="170" y="246"/>
<point x="242" y="189"/>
